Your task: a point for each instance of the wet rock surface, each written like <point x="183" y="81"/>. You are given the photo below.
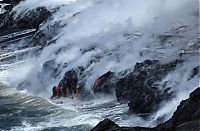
<point x="71" y="80"/>
<point x="106" y="124"/>
<point x="140" y="87"/>
<point x="185" y="118"/>
<point x="105" y="84"/>
<point x="187" y="115"/>
<point x="29" y="20"/>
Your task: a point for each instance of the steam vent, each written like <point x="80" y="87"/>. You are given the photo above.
<point x="99" y="65"/>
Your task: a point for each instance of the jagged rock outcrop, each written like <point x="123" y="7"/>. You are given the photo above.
<point x="71" y="80"/>
<point x="187" y="115"/>
<point x="108" y="125"/>
<point x="140" y="87"/>
<point x="68" y="86"/>
<point x="105" y="125"/>
<point x="29" y="20"/>
<point x="185" y="118"/>
<point x="12" y="2"/>
<point x="105" y="84"/>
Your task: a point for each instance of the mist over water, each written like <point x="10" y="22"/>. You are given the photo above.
<point x="110" y="35"/>
<point x="114" y="30"/>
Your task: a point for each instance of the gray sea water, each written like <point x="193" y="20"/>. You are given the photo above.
<point x="112" y="34"/>
<point x="21" y="110"/>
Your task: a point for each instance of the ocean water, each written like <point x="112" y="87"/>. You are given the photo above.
<point x="114" y="35"/>
<point x="21" y="110"/>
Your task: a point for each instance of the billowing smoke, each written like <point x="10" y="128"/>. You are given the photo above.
<point x="114" y="30"/>
<point x="112" y="35"/>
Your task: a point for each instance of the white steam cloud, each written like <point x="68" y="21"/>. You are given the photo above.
<point x="119" y="33"/>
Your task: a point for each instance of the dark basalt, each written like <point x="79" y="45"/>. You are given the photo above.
<point x="187" y="115"/>
<point x="12" y="2"/>
<point x="105" y="125"/>
<point x="105" y="84"/>
<point x="30" y="20"/>
<point x="141" y="86"/>
<point x="185" y="118"/>
<point x="72" y="78"/>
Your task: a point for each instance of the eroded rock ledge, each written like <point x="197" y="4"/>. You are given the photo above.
<point x="185" y="118"/>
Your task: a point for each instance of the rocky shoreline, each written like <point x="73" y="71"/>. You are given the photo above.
<point x="140" y="88"/>
<point x="185" y="118"/>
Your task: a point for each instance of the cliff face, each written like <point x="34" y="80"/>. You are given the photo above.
<point x="140" y="89"/>
<point x="11" y="22"/>
<point x="185" y="118"/>
<point x="141" y="86"/>
<point x="28" y="20"/>
<point x="187" y="115"/>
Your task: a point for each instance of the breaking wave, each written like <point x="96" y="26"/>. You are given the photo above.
<point x="101" y="36"/>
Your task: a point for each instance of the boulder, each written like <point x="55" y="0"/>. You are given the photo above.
<point x="141" y="87"/>
<point x="72" y="80"/>
<point x="105" y="84"/>
<point x="106" y="125"/>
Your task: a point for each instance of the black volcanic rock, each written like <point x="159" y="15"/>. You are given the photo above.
<point x="106" y="125"/>
<point x="76" y="73"/>
<point x="187" y="115"/>
<point x="105" y="84"/>
<point x="185" y="118"/>
<point x="12" y="2"/>
<point x="140" y="87"/>
<point x="31" y="20"/>
<point x="71" y="76"/>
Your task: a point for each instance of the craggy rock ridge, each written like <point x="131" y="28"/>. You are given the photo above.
<point x="185" y="118"/>
<point x="141" y="87"/>
<point x="105" y="84"/>
<point x="22" y="31"/>
<point x="30" y="20"/>
<point x="71" y="79"/>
